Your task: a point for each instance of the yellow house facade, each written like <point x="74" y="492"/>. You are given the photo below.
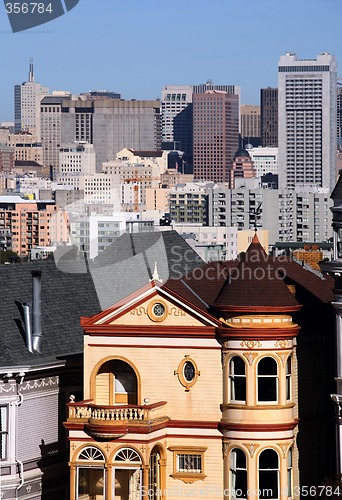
<point x="190" y="390"/>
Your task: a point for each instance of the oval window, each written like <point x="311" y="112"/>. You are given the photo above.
<point x="189" y="371"/>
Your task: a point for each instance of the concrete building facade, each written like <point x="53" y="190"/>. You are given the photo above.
<point x="216" y="134"/>
<point x="27" y="97"/>
<point x="307" y="121"/>
<point x="269" y="117"/>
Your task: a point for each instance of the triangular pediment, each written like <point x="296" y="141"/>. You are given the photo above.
<point x="153" y="305"/>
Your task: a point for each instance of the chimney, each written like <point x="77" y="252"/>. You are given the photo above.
<point x="36" y="311"/>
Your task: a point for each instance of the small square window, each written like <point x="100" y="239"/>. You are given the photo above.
<point x="188" y="463"/>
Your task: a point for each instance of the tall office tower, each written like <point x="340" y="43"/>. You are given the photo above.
<point x="307" y="121"/>
<point x="108" y="124"/>
<point x="27" y="97"/>
<point x="339" y="115"/>
<point x="176" y="119"/>
<point x="216" y="134"/>
<point x="209" y="85"/>
<point x="269" y="117"/>
<point x="250" y="124"/>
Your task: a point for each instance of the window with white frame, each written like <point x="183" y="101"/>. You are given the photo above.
<point x="237" y="379"/>
<point x="288" y="378"/>
<point x="267" y="378"/>
<point x="289" y="473"/>
<point x="189" y="462"/>
<point x="90" y="478"/>
<point x="3" y="432"/>
<point x="238" y="473"/>
<point x="268" y="474"/>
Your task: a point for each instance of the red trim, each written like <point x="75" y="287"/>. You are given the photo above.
<point x="257" y="333"/>
<point x="152" y="440"/>
<point x="258" y="309"/>
<point x="145" y="428"/>
<point x="157" y="346"/>
<point x="163" y="290"/>
<point x="152" y="330"/>
<point x="267" y="427"/>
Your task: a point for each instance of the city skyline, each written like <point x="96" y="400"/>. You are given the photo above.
<point x="182" y="43"/>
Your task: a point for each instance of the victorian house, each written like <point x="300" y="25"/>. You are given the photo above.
<point x="211" y="385"/>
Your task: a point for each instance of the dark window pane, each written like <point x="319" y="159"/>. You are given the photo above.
<point x="268" y="460"/>
<point x="267" y="389"/>
<point x="267" y="366"/>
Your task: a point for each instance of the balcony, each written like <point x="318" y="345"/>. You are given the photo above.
<point x="112" y="422"/>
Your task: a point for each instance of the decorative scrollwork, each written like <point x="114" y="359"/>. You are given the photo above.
<point x="250" y="344"/>
<point x="139" y="311"/>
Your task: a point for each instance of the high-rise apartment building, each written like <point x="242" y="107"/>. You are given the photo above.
<point x="27" y="97"/>
<point x="250" y="123"/>
<point x="26" y="146"/>
<point x="176" y="110"/>
<point x="108" y="124"/>
<point x="307" y="121"/>
<point x="269" y="117"/>
<point x="216" y="134"/>
<point x="339" y="115"/>
<point x="177" y="115"/>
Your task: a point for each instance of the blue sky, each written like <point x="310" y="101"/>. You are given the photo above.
<point x="135" y="47"/>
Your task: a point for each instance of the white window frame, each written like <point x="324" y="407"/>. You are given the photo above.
<point x="288" y="376"/>
<point x="4" y="434"/>
<point x="269" y="470"/>
<point x="232" y="380"/>
<point x="233" y="470"/>
<point x="276" y="377"/>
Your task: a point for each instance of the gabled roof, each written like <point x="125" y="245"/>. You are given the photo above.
<point x="153" y="289"/>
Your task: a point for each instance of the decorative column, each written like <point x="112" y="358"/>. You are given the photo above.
<point x="72" y="481"/>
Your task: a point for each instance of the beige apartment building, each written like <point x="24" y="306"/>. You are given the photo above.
<point x="32" y="223"/>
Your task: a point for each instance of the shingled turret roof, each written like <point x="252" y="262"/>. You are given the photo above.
<point x="257" y="282"/>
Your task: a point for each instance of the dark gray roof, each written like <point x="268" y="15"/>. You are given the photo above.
<point x="336" y="194"/>
<point x="128" y="264"/>
<point x="65" y="297"/>
<point x="73" y="287"/>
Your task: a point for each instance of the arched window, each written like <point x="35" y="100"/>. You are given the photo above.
<point x="289" y="472"/>
<point x="154" y="479"/>
<point x="238" y="473"/>
<point x="268" y="474"/>
<point x="116" y="384"/>
<point x="90" y="474"/>
<point x="267" y="380"/>
<point x="237" y="379"/>
<point x="127" y="474"/>
<point x="288" y="378"/>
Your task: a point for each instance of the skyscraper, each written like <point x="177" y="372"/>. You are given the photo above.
<point x="108" y="124"/>
<point x="250" y="124"/>
<point x="216" y="134"/>
<point x="177" y="114"/>
<point x="339" y="115"/>
<point x="307" y="121"/>
<point x="269" y="117"/>
<point x="176" y="110"/>
<point x="27" y="97"/>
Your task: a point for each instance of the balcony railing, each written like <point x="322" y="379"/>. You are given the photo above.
<point x="87" y="411"/>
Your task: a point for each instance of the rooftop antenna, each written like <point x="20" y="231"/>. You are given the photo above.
<point x="31" y="74"/>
